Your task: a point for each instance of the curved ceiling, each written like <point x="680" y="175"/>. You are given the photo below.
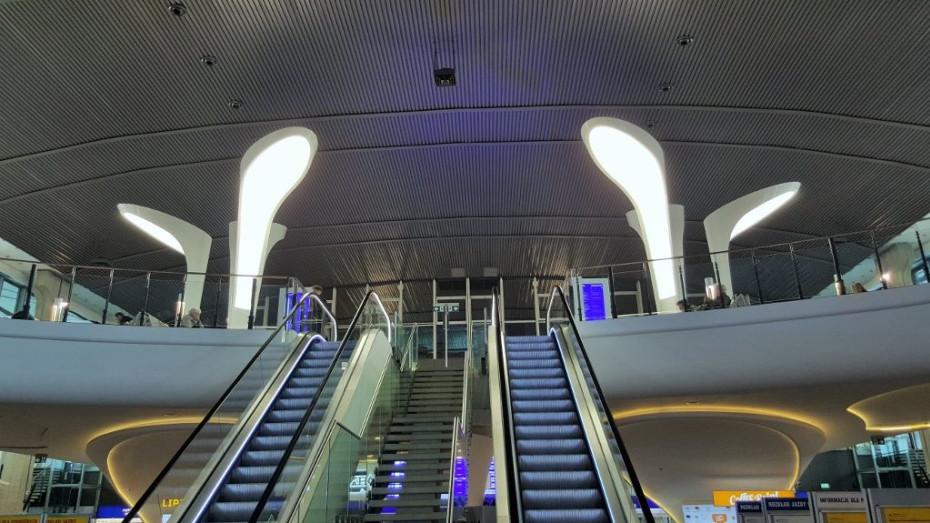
<point x="106" y="104"/>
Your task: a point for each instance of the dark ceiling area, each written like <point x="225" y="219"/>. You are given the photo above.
<point x="127" y="102"/>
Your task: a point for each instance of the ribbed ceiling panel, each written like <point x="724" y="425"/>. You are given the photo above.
<point x="106" y="104"/>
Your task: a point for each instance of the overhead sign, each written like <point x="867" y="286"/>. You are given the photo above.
<point x="728" y="498"/>
<point x="839" y="500"/>
<point x="905" y="514"/>
<point x="748" y="507"/>
<point x="782" y="504"/>
<point x="67" y="518"/>
<point x="446" y="307"/>
<point x="22" y="518"/>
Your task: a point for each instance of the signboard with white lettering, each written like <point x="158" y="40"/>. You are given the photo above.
<point x="446" y="307"/>
<point x="749" y="511"/>
<point x="787" y="510"/>
<point x="848" y="501"/>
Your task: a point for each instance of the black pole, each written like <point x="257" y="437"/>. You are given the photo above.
<point x="252" y="304"/>
<point x="32" y="279"/>
<point x="716" y="269"/>
<point x="684" y="292"/>
<point x="145" y="300"/>
<point x="610" y="289"/>
<point x="648" y="288"/>
<point x="106" y="304"/>
<point x="64" y="317"/>
<point x="216" y="314"/>
<point x="878" y="261"/>
<point x="837" y="279"/>
<point x="923" y="257"/>
<point x="755" y="270"/>
<point x="797" y="273"/>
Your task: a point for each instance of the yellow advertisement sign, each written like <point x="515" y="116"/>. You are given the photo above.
<point x="728" y="498"/>
<point x="23" y="518"/>
<point x="906" y="514"/>
<point x="67" y="518"/>
<point x="845" y="517"/>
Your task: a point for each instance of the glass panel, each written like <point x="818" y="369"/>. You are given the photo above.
<point x="337" y="474"/>
<point x="201" y="456"/>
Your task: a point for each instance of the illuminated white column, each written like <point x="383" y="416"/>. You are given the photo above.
<point x="634" y="161"/>
<point x="728" y="221"/>
<point x="180" y="236"/>
<point x="270" y="169"/>
<point x="676" y="216"/>
<point x="239" y="318"/>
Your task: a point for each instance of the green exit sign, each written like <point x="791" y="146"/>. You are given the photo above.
<point x="446" y="307"/>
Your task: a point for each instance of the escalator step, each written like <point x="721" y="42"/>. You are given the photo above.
<point x="540" y="432"/>
<point x="559" y="479"/>
<point x="539" y="394"/>
<point x="545" y="418"/>
<point x="551" y="447"/>
<point x="546" y="406"/>
<point x="538" y="463"/>
<point x="538" y="383"/>
<point x="584" y="515"/>
<point x="547" y="354"/>
<point x="561" y="498"/>
<point x="534" y="364"/>
<point x="517" y="340"/>
<point x="537" y="373"/>
<point x="251" y="474"/>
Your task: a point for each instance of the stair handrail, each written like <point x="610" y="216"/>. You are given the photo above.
<point x="457" y="428"/>
<point x="292" y="444"/>
<point x="624" y="454"/>
<point x="223" y="397"/>
<point x="511" y="468"/>
<point x="332" y="319"/>
<point x="405" y="359"/>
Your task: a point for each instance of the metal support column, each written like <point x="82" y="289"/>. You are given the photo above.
<point x="837" y="278"/>
<point x="435" y="321"/>
<point x="468" y="323"/>
<point x="145" y="299"/>
<point x="106" y="303"/>
<point x="535" y="291"/>
<point x="878" y="261"/>
<point x="252" y="303"/>
<point x="923" y="257"/>
<point x="755" y="270"/>
<point x="797" y="273"/>
<point x="32" y="280"/>
<point x="64" y="317"/>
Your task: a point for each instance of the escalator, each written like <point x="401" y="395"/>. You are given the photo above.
<point x="256" y="445"/>
<point x="557" y="475"/>
<point x="562" y="458"/>
<point x="241" y="489"/>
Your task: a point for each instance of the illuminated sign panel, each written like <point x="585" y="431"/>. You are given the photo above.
<point x="728" y="498"/>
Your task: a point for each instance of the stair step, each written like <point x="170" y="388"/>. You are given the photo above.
<point x="417" y="445"/>
<point x="410" y="489"/>
<point x="408" y="516"/>
<point x="395" y="456"/>
<point x="400" y="436"/>
<point x="439" y="466"/>
<point x="403" y="502"/>
<point x="414" y="478"/>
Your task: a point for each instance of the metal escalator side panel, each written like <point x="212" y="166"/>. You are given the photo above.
<point x="610" y="479"/>
<point x="500" y="439"/>
<point x="195" y="503"/>
<point x="351" y="407"/>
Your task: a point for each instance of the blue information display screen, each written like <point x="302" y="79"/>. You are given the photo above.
<point x="592" y="299"/>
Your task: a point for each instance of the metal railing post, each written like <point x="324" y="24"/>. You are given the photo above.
<point x="252" y="304"/>
<point x="610" y="289"/>
<point x="106" y="304"/>
<point x="649" y="296"/>
<point x="216" y="306"/>
<point x="145" y="299"/>
<point x="797" y="273"/>
<point x="837" y="278"/>
<point x="878" y="261"/>
<point x="923" y="257"/>
<point x="32" y="280"/>
<point x="684" y="292"/>
<point x="755" y="270"/>
<point x="64" y="317"/>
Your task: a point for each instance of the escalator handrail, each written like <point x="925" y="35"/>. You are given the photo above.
<point x="279" y="469"/>
<point x="628" y="463"/>
<point x="206" y="419"/>
<point x="332" y="319"/>
<point x="512" y="471"/>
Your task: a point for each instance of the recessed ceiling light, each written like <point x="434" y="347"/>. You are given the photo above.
<point x="177" y="9"/>
<point x="666" y="87"/>
<point x="685" y="40"/>
<point x="208" y="60"/>
<point x="235" y="104"/>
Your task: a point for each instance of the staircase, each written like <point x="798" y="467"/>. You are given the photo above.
<point x="558" y="480"/>
<point x="40" y="483"/>
<point x="412" y="478"/>
<point x="242" y="488"/>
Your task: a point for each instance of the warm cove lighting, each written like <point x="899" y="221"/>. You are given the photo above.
<point x="761" y="212"/>
<point x="151" y="229"/>
<point x="634" y="161"/>
<point x="271" y="169"/>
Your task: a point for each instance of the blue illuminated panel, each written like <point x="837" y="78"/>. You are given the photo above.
<point x="592" y="301"/>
